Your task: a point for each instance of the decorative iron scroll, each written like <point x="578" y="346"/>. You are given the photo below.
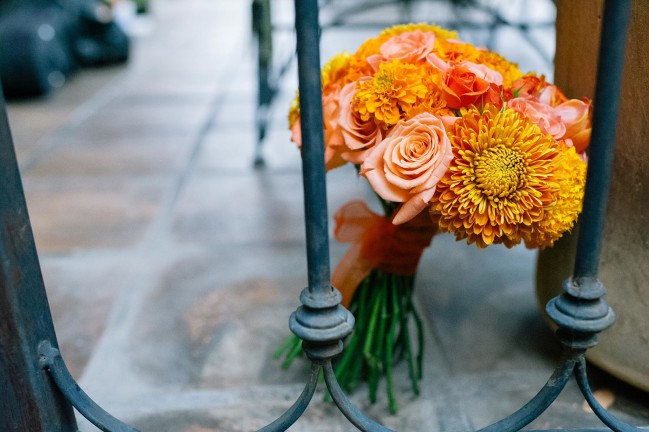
<point x="580" y="312"/>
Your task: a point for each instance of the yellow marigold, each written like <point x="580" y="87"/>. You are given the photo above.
<point x="439" y="32"/>
<point x="393" y="89"/>
<point x="335" y="70"/>
<point x="507" y="69"/>
<point x="500" y="180"/>
<point x="294" y="110"/>
<point x="562" y="214"/>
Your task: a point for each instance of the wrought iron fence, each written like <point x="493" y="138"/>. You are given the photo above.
<point x="39" y="392"/>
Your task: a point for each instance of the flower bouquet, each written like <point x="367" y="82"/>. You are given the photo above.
<point x="451" y="138"/>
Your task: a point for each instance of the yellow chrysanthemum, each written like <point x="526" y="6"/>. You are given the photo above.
<point x="393" y="89"/>
<point x="500" y="180"/>
<point x="335" y="70"/>
<point x="562" y="214"/>
<point x="507" y="69"/>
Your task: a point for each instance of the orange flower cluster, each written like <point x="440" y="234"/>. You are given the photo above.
<point x="435" y="123"/>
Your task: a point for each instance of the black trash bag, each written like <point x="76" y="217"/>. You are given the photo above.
<point x="35" y="48"/>
<point x="43" y="41"/>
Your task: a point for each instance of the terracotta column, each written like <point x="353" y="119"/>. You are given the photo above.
<point x="624" y="270"/>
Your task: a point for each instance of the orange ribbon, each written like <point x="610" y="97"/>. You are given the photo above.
<point x="377" y="243"/>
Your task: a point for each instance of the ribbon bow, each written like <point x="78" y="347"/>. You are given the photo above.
<point x="377" y="243"/>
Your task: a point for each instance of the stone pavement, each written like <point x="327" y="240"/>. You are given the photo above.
<point x="172" y="265"/>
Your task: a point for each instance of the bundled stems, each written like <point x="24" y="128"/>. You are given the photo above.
<point x="384" y="313"/>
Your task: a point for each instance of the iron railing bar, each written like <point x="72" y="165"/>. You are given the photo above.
<point x="353" y="414"/>
<point x="313" y="168"/>
<point x="52" y="361"/>
<point x="29" y="399"/>
<point x="608" y="90"/>
<point x="607" y="418"/>
<point x="297" y="409"/>
<point x="577" y="430"/>
<point x="539" y="403"/>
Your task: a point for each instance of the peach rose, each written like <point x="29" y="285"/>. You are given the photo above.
<point x="435" y="61"/>
<point x="407" y="165"/>
<point x="408" y="47"/>
<point x="569" y="121"/>
<point x="358" y="135"/>
<point x="540" y="114"/>
<point x="333" y="137"/>
<point x="468" y="83"/>
<point x="296" y="132"/>
<point x="551" y="95"/>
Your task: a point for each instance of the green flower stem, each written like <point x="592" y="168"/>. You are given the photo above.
<point x="408" y="353"/>
<point x="420" y="338"/>
<point x="286" y="345"/>
<point x="295" y="351"/>
<point x="394" y="319"/>
<point x="373" y="362"/>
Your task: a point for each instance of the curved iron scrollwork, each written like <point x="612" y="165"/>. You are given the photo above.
<point x="322" y="323"/>
<point x="52" y="361"/>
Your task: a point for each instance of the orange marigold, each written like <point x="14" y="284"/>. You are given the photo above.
<point x="561" y="216"/>
<point x="453" y="51"/>
<point x="500" y="180"/>
<point x="434" y="101"/>
<point x="393" y="89"/>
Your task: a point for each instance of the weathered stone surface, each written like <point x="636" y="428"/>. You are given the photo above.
<point x="78" y="213"/>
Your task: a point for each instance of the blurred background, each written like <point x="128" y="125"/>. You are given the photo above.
<point x="166" y="202"/>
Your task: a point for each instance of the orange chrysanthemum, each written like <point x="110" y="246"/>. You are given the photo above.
<point x="561" y="216"/>
<point x="393" y="89"/>
<point x="500" y="180"/>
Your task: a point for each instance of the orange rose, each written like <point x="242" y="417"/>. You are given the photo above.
<point x="574" y="114"/>
<point x="407" y="165"/>
<point x="580" y="141"/>
<point x="468" y="83"/>
<point x="408" y="47"/>
<point x="358" y="135"/>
